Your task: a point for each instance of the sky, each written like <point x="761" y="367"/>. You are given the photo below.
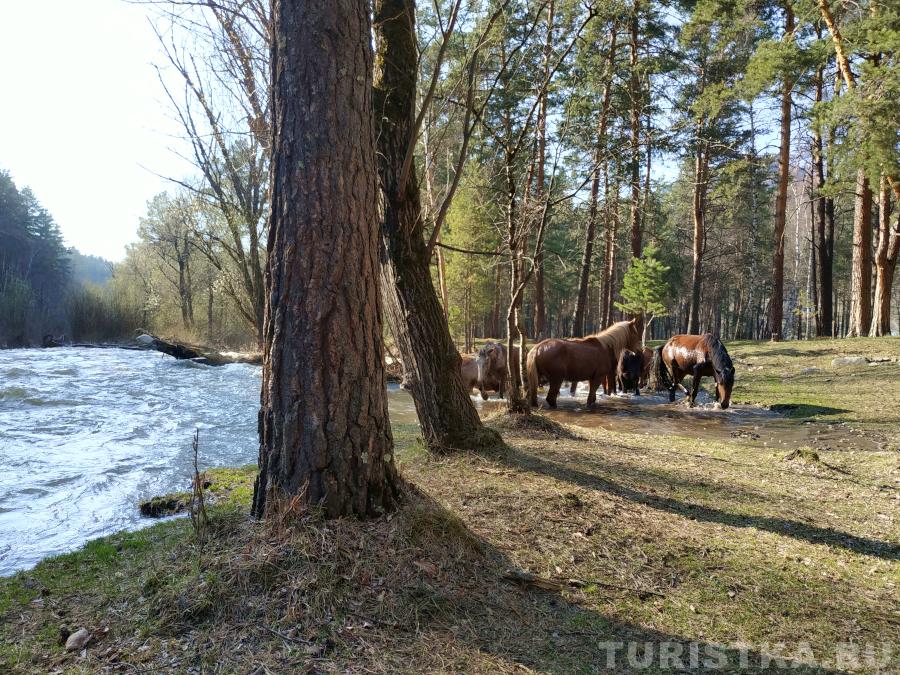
<point x="84" y="121"/>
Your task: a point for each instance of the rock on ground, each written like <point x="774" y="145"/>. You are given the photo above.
<point x="78" y="640"/>
<point x="850" y="361"/>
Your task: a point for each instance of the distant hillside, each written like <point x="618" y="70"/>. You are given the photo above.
<point x="89" y="269"/>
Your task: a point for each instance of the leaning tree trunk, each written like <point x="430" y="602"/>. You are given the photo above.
<point x="885" y="264"/>
<point x="446" y="413"/>
<point x="861" y="269"/>
<point x="324" y="430"/>
<point x="784" y="175"/>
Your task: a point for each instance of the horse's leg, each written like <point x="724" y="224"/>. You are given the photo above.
<point x="676" y="381"/>
<point x="695" y="383"/>
<point x="592" y="393"/>
<point x="553" y="392"/>
<point x="573" y="385"/>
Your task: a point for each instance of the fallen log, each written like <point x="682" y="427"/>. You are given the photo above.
<point x="197" y="354"/>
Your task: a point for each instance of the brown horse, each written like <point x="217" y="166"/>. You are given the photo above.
<point x="592" y="358"/>
<point x="628" y="371"/>
<point x="698" y="356"/>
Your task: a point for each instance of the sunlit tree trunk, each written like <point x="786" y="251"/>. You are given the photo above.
<point x="323" y="424"/>
<point x="861" y="267"/>
<point x="885" y="263"/>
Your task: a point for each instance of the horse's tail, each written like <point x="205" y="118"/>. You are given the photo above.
<point x="659" y="372"/>
<point x="532" y="370"/>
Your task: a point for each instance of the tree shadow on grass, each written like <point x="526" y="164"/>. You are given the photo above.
<point x="799" y="410"/>
<point x="790" y="351"/>
<point x="469" y="617"/>
<point x="782" y="526"/>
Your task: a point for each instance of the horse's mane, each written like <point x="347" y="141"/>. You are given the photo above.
<point x="720" y="359"/>
<point x="618" y="336"/>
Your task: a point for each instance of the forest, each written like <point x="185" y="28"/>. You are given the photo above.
<point x="49" y="292"/>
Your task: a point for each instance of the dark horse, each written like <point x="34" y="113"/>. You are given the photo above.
<point x="628" y="371"/>
<point x="698" y="356"/>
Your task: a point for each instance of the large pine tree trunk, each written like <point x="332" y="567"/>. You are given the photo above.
<point x="323" y="424"/>
<point x="784" y="175"/>
<point x="885" y="263"/>
<point x="861" y="268"/>
<point x="446" y="413"/>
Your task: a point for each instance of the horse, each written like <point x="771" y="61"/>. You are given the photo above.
<point x="628" y="371"/>
<point x="646" y="362"/>
<point x="698" y="356"/>
<point x="468" y="373"/>
<point x="592" y="358"/>
<point x="492" y="371"/>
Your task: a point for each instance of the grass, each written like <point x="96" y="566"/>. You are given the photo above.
<point x="528" y="559"/>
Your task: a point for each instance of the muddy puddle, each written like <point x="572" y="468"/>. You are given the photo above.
<point x="653" y="415"/>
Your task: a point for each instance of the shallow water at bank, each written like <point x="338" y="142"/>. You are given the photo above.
<point x="652" y="414"/>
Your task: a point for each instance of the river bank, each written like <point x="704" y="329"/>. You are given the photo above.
<point x="678" y="537"/>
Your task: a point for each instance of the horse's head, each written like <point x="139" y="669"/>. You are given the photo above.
<point x="491" y="359"/>
<point x="724" y="385"/>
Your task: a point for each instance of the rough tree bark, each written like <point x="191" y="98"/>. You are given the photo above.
<point x="784" y="174"/>
<point x="885" y="263"/>
<point x="861" y="266"/>
<point x="446" y="414"/>
<point x="323" y="423"/>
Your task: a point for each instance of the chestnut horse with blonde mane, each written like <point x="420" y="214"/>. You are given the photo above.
<point x="592" y="358"/>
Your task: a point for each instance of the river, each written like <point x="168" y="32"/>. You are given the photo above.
<point x="85" y="434"/>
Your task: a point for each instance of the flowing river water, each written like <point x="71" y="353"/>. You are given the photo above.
<point x="85" y="434"/>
